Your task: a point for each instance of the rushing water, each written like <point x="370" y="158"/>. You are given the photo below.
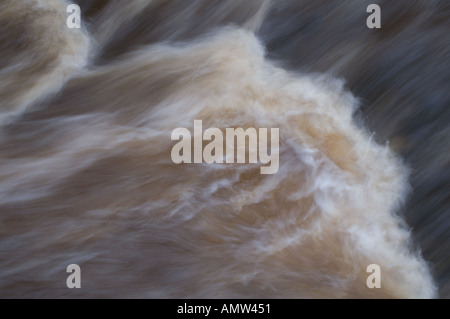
<point x="86" y="175"/>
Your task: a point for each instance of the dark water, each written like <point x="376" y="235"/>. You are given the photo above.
<point x="85" y="171"/>
<point x="401" y="75"/>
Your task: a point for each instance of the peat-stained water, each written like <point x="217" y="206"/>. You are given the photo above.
<point x="86" y="175"/>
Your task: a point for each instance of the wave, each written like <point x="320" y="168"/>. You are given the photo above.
<point x="86" y="175"/>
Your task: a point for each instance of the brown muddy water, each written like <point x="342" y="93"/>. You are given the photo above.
<point x="86" y="175"/>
